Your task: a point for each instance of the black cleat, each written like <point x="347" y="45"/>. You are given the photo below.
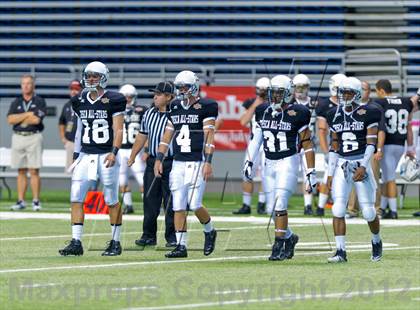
<point x="145" y="241"/>
<point x="376" y="252"/>
<point x="113" y="249"/>
<point x="209" y="242"/>
<point x="128" y="210"/>
<point x="244" y="210"/>
<point x="74" y="247"/>
<point x="289" y="246"/>
<point x="277" y="251"/>
<point x="320" y="211"/>
<point x="179" y="251"/>
<point x="340" y="256"/>
<point x="261" y="208"/>
<point x="308" y="210"/>
<point x="170" y="244"/>
<point x="390" y="215"/>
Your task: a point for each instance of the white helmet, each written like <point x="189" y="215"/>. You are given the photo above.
<point x="281" y="90"/>
<point x="301" y="83"/>
<point x="335" y="81"/>
<point x="99" y="68"/>
<point x="262" y="85"/>
<point x="129" y="90"/>
<point x="410" y="169"/>
<point x="186" y="79"/>
<point x="350" y="84"/>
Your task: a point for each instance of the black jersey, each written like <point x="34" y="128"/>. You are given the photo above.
<point x="310" y="105"/>
<point x="96" y="116"/>
<point x="188" y="140"/>
<point x="132" y="119"/>
<point x="351" y="127"/>
<point x="280" y="130"/>
<point x="396" y="112"/>
<point x="324" y="105"/>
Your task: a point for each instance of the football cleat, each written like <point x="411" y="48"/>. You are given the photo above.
<point x="36" y="205"/>
<point x="376" y="252"/>
<point x="74" y="247"/>
<point x="261" y="208"/>
<point x="289" y="246"/>
<point x="244" y="210"/>
<point x="179" y="251"/>
<point x="18" y="206"/>
<point x="113" y="249"/>
<point x="308" y="210"/>
<point x="390" y="215"/>
<point x="340" y="256"/>
<point x="128" y="210"/>
<point x="170" y="244"/>
<point x="209" y="242"/>
<point x="277" y="251"/>
<point x="143" y="241"/>
<point x="320" y="211"/>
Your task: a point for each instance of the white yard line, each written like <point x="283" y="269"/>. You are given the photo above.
<point x="192" y="218"/>
<point x="134" y="288"/>
<point x="245" y="302"/>
<point x="230" y="292"/>
<point x="164" y="262"/>
<point x="35" y="285"/>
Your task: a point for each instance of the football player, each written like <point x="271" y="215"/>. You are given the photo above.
<point x="321" y="110"/>
<point x="248" y="117"/>
<point x="191" y="124"/>
<point x="132" y="119"/>
<point x="280" y="126"/>
<point x="354" y="131"/>
<point x="98" y="139"/>
<point x="398" y="115"/>
<point x="301" y="85"/>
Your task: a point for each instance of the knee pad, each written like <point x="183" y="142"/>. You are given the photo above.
<point x="282" y="197"/>
<point x="79" y="188"/>
<point x="339" y="208"/>
<point x="111" y="194"/>
<point x="369" y="212"/>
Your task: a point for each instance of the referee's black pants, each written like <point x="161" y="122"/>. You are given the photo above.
<point x="152" y="202"/>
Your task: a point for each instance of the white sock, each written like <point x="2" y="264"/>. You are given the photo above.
<point x="208" y="227"/>
<point x="246" y="198"/>
<point x="322" y="201"/>
<point x="116" y="231"/>
<point x="392" y="204"/>
<point x="384" y="202"/>
<point x="181" y="237"/>
<point x="261" y="197"/>
<point x="288" y="234"/>
<point x="307" y="198"/>
<point x="77" y="231"/>
<point x="376" y="238"/>
<point x="128" y="199"/>
<point x="340" y="242"/>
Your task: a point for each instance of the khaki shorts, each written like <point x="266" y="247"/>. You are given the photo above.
<point x="69" y="146"/>
<point x="26" y="151"/>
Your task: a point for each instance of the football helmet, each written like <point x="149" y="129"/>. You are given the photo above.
<point x="301" y="83"/>
<point x="261" y="87"/>
<point x="334" y="82"/>
<point x="130" y="91"/>
<point x="95" y="67"/>
<point x="350" y="91"/>
<point x="186" y="84"/>
<point x="281" y="89"/>
<point x="410" y="169"/>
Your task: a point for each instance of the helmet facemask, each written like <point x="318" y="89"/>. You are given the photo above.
<point x="280" y="97"/>
<point x="301" y="91"/>
<point x="184" y="92"/>
<point x="348" y="96"/>
<point x="100" y="80"/>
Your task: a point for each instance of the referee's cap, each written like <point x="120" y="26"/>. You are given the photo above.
<point x="164" y="88"/>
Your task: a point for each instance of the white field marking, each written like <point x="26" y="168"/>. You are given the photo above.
<point x="193" y="218"/>
<point x="230" y="292"/>
<point x="349" y="245"/>
<point x="164" y="262"/>
<point x="245" y="302"/>
<point x="416" y="299"/>
<point x="34" y="285"/>
<point x="135" y="288"/>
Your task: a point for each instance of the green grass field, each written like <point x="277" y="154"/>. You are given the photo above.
<point x="236" y="276"/>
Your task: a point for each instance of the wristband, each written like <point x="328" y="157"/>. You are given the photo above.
<point x="115" y="150"/>
<point x="146" y="149"/>
<point x="75" y="155"/>
<point x="160" y="156"/>
<point x="208" y="158"/>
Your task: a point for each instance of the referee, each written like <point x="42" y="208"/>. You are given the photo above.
<point x="155" y="189"/>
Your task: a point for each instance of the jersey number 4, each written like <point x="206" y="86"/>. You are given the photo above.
<point x="100" y="131"/>
<point x="183" y="139"/>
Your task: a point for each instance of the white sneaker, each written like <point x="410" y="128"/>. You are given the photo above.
<point x="36" y="205"/>
<point x="18" y="206"/>
<point x="339" y="257"/>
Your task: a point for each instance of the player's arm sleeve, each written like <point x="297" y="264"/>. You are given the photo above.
<point x="254" y="145"/>
<point x="119" y="106"/>
<point x="212" y="111"/>
<point x="75" y="105"/>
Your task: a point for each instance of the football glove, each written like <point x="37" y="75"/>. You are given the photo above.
<point x="248" y="170"/>
<point x="311" y="181"/>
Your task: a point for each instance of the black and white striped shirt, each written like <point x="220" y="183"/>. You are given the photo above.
<point x="153" y="126"/>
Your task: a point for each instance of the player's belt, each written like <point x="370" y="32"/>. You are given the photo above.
<point x="26" y="133"/>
